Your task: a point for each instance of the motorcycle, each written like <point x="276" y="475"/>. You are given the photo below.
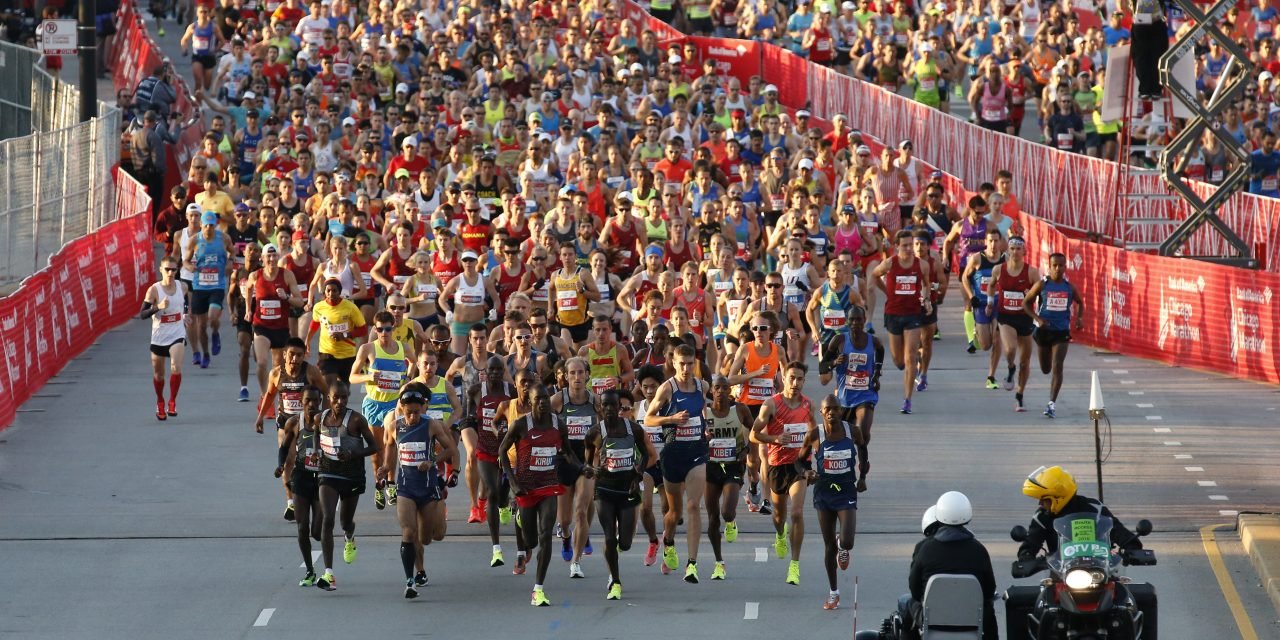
<point x="1084" y="597"/>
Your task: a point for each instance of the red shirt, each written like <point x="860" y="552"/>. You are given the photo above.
<point x="415" y="166"/>
<point x="475" y="236"/>
<point x="673" y="171"/>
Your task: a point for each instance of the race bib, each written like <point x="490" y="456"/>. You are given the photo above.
<point x="431" y="292"/>
<point x="1011" y="300"/>
<point x="291" y="402"/>
<point x="837" y="461"/>
<point x="1056" y="300"/>
<point x="413" y="453"/>
<point x="566" y="300"/>
<point x="1216" y="176"/>
<point x="655" y="437"/>
<point x="542" y="458"/>
<point x="310" y="459"/>
<point x="387" y="380"/>
<point x="690" y="431"/>
<point x="721" y="288"/>
<point x="723" y="450"/>
<point x="776" y="203"/>
<point x="577" y="426"/>
<point x="906" y="285"/>
<point x="470" y="299"/>
<point x="824" y="44"/>
<point x="600" y="385"/>
<point x="624" y="254"/>
<point x="1065" y="140"/>
<point x="486" y="420"/>
<point x="1269" y="184"/>
<point x="399" y="280"/>
<point x="170" y="318"/>
<point x="793" y="434"/>
<point x="208" y="277"/>
<point x="993" y="115"/>
<point x="928" y="84"/>
<point x="434" y="414"/>
<point x="338" y="327"/>
<point x="791" y="292"/>
<point x="269" y="309"/>
<point x="618" y="460"/>
<point x="833" y="319"/>
<point x="330" y="445"/>
<point x="759" y="389"/>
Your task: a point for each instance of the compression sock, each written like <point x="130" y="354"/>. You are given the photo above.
<point x="158" y="383"/>
<point x="970" y="325"/>
<point x="406" y="559"/>
<point x="175" y="382"/>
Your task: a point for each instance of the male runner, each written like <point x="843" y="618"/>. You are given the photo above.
<point x="289" y="380"/>
<point x="576" y="408"/>
<point x="1009" y="285"/>
<point x="382" y="365"/>
<point x="650" y="377"/>
<point x="727" y="438"/>
<point x="857" y="371"/>
<point x="470" y="369"/>
<point x="923" y="247"/>
<point x="905" y="282"/>
<point x="209" y="257"/>
<point x="342" y="434"/>
<point x="484" y="397"/>
<point x="271" y="289"/>
<point x="1053" y="299"/>
<point x="619" y="451"/>
<point x="784" y="420"/>
<point x="756" y="367"/>
<point x="164" y="303"/>
<point x="974" y="282"/>
<point x="607" y="361"/>
<point x="300" y="436"/>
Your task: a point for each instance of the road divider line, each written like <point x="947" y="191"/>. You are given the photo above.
<point x="752" y="612"/>
<point x="1128" y="382"/>
<point x="263" y="618"/>
<point x="1137" y="393"/>
<point x="1219" y="498"/>
<point x="1154" y="418"/>
<point x="1231" y="513"/>
<point x="1209" y="539"/>
<point x="1162" y="430"/>
<point x="1182" y="456"/>
<point x="1145" y="405"/>
<point x="1194" y="469"/>
<point x="1121" y="372"/>
<point x="762" y="554"/>
<point x="315" y="555"/>
<point x="1172" y="443"/>
<point x="1207" y="483"/>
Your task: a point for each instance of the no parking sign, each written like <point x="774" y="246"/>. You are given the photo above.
<point x="58" y="37"/>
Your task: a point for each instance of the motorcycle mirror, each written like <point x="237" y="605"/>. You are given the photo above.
<point x="1144" y="527"/>
<point x="1019" y="533"/>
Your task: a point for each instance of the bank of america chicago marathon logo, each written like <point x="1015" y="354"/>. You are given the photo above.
<point x="8" y="327"/>
<point x="1176" y="314"/>
<point x="1246" y="325"/>
<point x="1115" y="299"/>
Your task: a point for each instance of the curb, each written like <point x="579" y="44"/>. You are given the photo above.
<point x="1260" y="534"/>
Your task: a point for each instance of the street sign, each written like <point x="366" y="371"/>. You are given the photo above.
<point x="58" y="37"/>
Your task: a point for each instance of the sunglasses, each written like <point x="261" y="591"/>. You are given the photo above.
<point x="524" y="337"/>
<point x="169" y="270"/>
<point x="761" y="327"/>
<point x="441" y="343"/>
<point x="773" y="285"/>
<point x="396" y="307"/>
<point x="539" y="258"/>
<point x="536" y="326"/>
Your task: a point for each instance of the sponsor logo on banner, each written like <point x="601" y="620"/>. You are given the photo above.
<point x="1177" y="314"/>
<point x="1118" y="286"/>
<point x="8" y="331"/>
<point x="1246" y="322"/>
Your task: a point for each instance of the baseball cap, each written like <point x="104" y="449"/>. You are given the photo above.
<point x="770" y="89"/>
<point x="455" y="186"/>
<point x="208" y="217"/>
<point x="440" y="223"/>
<point x="402" y="88"/>
<point x="636" y="67"/>
<point x="579" y="73"/>
<point x="402" y="173"/>
<point x="409" y="141"/>
<point x="193" y="208"/>
<point x="343" y="176"/>
<point x="469" y="255"/>
<point x="299" y="235"/>
<point x="738" y="113"/>
<point x="625" y="196"/>
<point x="905" y="144"/>
<point x="674" y="59"/>
<point x="806" y="163"/>
<point x="270" y="248"/>
<point x="802" y="114"/>
<point x="249" y="95"/>
<point x="848" y="6"/>
<point x="348" y="121"/>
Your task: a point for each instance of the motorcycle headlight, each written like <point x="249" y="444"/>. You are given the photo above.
<point x="1079" y="579"/>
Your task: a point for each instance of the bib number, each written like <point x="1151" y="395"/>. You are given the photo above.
<point x="413" y="453"/>
<point x="542" y="458"/>
<point x="723" y="450"/>
<point x="793" y="434"/>
<point x="837" y="462"/>
<point x="577" y="426"/>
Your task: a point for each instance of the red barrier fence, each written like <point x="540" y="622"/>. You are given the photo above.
<point x="94" y="283"/>
<point x="136" y="55"/>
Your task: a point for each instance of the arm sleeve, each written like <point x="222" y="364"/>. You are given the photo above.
<point x="1037" y="534"/>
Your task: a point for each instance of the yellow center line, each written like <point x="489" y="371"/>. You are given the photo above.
<point x="1210" y="540"/>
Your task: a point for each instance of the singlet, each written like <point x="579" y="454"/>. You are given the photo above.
<point x="445" y="270"/>
<point x="982" y="276"/>
<point x="835" y="309"/>
<point x="1012" y="289"/>
<point x="578" y="419"/>
<point x="853" y="380"/>
<point x="617" y="461"/>
<point x="337" y="439"/>
<point x="291" y="389"/>
<point x="655" y="232"/>
<point x="488" y="437"/>
<point x="398" y="268"/>
<point x="166" y="326"/>
<point x="201" y="39"/>
<point x="531" y="365"/>
<point x="438" y="407"/>
<point x="756" y="390"/>
<point x="689" y="436"/>
<point x="388" y="369"/>
<point x="973" y="237"/>
<point x="185" y="238"/>
<point x="302" y="273"/>
<point x="536" y="456"/>
<point x="622" y="238"/>
<point x="793" y="422"/>
<point x="904" y="288"/>
<point x="851" y="241"/>
<point x="345" y="275"/>
<point x="605" y="370"/>
<point x="307" y="454"/>
<point x="211" y="263"/>
<point x="415" y="445"/>
<point x="1055" y="303"/>
<point x="469" y="294"/>
<point x="994" y="106"/>
<point x="269" y="310"/>
<point x="571" y="303"/>
<point x="833" y="460"/>
<point x="723" y="436"/>
<point x="791" y="279"/>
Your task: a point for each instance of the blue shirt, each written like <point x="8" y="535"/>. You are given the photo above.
<point x="1114" y="36"/>
<point x="1262" y="173"/>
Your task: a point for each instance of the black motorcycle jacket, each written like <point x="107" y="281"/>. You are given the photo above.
<point x="954" y="549"/>
<point x="1041" y="535"/>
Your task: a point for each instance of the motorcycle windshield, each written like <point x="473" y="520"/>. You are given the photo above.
<point x="1084" y="540"/>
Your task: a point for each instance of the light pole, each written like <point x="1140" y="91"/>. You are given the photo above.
<point x="1097" y="413"/>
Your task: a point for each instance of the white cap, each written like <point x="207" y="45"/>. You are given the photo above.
<point x="848" y="6"/>
<point x="674" y="59"/>
<point x="249" y="95"/>
<point x="636" y="67"/>
<point x="806" y="163"/>
<point x="1264" y="76"/>
<point x="926" y="47"/>
<point x="579" y="73"/>
<point x="270" y="248"/>
<point x="348" y="121"/>
<point x="194" y="208"/>
<point x="469" y="255"/>
<point x="402" y="88"/>
<point x="803" y="114"/>
<point x="862" y="148"/>
<point x="825" y="8"/>
<point x="622" y="74"/>
<point x="625" y="195"/>
<point x="409" y="141"/>
<point x="769" y="87"/>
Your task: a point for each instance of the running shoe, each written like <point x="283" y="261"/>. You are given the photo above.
<point x="575" y="570"/>
<point x="559" y="531"/>
<point x="669" y="558"/>
<point x="765" y="509"/>
<point x="691" y="573"/>
<point x="518" y="570"/>
<point x="539" y="599"/>
<point x="1008" y="380"/>
<point x="504" y="515"/>
<point x="730" y="532"/>
<point x="906" y="408"/>
<point x="832" y="603"/>
<point x="937" y="335"/>
<point x="420" y="579"/>
<point x="814" y="351"/>
<point x="288" y="512"/>
<point x="204" y="361"/>
<point x="308" y="580"/>
<point x="160" y="32"/>
<point x="1051" y="411"/>
<point x="474" y="517"/>
<point x="1018" y="408"/>
<point x="718" y="572"/>
<point x="496" y="560"/>
<point x="586" y="551"/>
<point x="349" y="551"/>
<point x="842" y="559"/>
<point x="793" y="572"/>
<point x="566" y="550"/>
<point x="244" y="395"/>
<point x="651" y="556"/>
<point x="409" y="592"/>
<point x="615" y="591"/>
<point x="195" y="358"/>
<point x="327" y="581"/>
<point x="780" y="546"/>
<point x="160" y="414"/>
<point x="972" y="349"/>
<point x="173" y="408"/>
<point x="391" y="493"/>
<point x="482" y="505"/>
<point x="752" y="499"/>
<point x="922" y="383"/>
<point x="379" y="499"/>
<point x="215" y="344"/>
<point x="991" y="383"/>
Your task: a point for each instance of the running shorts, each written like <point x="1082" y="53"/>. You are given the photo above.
<point x="1020" y="322"/>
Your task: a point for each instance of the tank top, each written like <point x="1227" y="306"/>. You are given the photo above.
<point x="622" y="238"/>
<point x="536" y="455"/>
<point x="343" y="275"/>
<point x="655" y="232"/>
<point x="757" y="390"/>
<point x="307" y="456"/>
<point x="415" y="445"/>
<point x="488" y="437"/>
<point x="833" y="460"/>
<point x="689" y="436"/>
<point x="185" y="238"/>
<point x="834" y="310"/>
<point x="847" y="241"/>
<point x="696" y="307"/>
<point x="202" y="39"/>
<point x="723" y="442"/>
<point x="791" y="422"/>
<point x="571" y="304"/>
<point x="469" y="294"/>
<point x="994" y="105"/>
<point x="398" y="268"/>
<point x="438" y="407"/>
<point x="617" y="462"/>
<point x="973" y="238"/>
<point x="166" y="325"/>
<point x="853" y="380"/>
<point x="302" y="273"/>
<point x="904" y="289"/>
<point x="531" y="365"/>
<point x="1011" y="289"/>
<point x="1055" y="303"/>
<point x="981" y="276"/>
<point x="792" y="279"/>
<point x="388" y="369"/>
<point x="605" y="371"/>
<point x="269" y="311"/>
<point x="577" y="419"/>
<point x="249" y="151"/>
<point x="366" y="275"/>
<point x="211" y="263"/>
<point x="291" y="389"/>
<point x="445" y="270"/>
<point x="334" y="440"/>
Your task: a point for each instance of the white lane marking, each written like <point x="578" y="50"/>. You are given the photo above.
<point x="315" y="555"/>
<point x="1155" y="417"/>
<point x="1172" y="443"/>
<point x="1128" y="382"/>
<point x="1137" y="393"/>
<point x="762" y="554"/>
<point x="1194" y="469"/>
<point x="1111" y="360"/>
<point x="1229" y="512"/>
<point x="1206" y="483"/>
<point x="1121" y="372"/>
<point x="1162" y="430"/>
<point x="752" y="612"/>
<point x="1182" y="456"/>
<point x="1145" y="405"/>
<point x="1218" y="498"/>
<point x="263" y="618"/>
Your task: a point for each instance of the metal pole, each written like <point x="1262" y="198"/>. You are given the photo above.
<point x="62" y="224"/>
<point x="35" y="205"/>
<point x="91" y="221"/>
<point x="1097" y="453"/>
<point x="1226" y="71"/>
<point x="87" y="40"/>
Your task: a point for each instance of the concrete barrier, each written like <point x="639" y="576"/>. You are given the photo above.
<point x="1260" y="534"/>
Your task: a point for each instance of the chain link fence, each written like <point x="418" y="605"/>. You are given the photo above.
<point x="56" y="183"/>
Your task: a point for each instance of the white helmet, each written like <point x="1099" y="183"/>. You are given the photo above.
<point x="953" y="508"/>
<point x="930" y="519"/>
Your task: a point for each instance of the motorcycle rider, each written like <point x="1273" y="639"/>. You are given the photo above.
<point x="1055" y="488"/>
<point x="950" y="549"/>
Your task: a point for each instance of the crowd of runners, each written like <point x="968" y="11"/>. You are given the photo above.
<point x="580" y="279"/>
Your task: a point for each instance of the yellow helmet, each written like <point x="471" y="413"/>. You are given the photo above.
<point x="1053" y="483"/>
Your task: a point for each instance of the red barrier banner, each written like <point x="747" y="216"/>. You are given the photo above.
<point x="736" y="58"/>
<point x="787" y="71"/>
<point x="636" y="14"/>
